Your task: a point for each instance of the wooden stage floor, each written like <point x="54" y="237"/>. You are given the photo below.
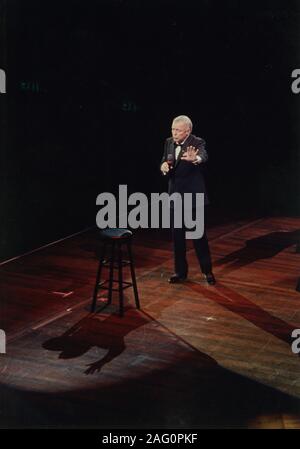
<point x="194" y="356"/>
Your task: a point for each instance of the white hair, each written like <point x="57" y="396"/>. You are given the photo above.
<point x="185" y="119"/>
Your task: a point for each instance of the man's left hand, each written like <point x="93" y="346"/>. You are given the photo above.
<point x="190" y="155"/>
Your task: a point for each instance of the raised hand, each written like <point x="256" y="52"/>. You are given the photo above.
<point x="190" y="154"/>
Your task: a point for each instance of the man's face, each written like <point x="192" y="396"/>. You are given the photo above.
<point x="180" y="131"/>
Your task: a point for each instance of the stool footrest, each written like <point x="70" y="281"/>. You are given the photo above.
<point x="106" y="263"/>
<point x="102" y="287"/>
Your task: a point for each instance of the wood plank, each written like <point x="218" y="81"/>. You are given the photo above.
<point x="193" y="356"/>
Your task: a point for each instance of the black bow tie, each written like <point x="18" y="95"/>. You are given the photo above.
<point x="178" y="144"/>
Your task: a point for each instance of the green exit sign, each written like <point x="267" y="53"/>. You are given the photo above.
<point x="31" y="86"/>
<point x="129" y="106"/>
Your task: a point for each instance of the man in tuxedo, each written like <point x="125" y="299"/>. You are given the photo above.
<point x="186" y="155"/>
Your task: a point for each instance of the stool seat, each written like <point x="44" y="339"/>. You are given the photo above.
<point x="113" y="240"/>
<point x="115" y="233"/>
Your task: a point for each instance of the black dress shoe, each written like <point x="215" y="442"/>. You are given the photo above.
<point x="210" y="279"/>
<point x="176" y="279"/>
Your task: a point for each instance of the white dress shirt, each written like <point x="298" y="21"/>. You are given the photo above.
<point x="177" y="151"/>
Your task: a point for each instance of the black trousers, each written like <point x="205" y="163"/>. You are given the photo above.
<point x="179" y="244"/>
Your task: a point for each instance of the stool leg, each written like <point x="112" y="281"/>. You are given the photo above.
<point x="121" y="297"/>
<point x="98" y="277"/>
<point x="136" y="296"/>
<point x="111" y="272"/>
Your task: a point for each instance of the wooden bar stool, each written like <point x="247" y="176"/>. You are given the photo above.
<point x="113" y="241"/>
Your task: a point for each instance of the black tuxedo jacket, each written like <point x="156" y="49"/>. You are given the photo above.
<point x="186" y="177"/>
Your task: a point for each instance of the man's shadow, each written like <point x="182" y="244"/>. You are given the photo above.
<point x="258" y="248"/>
<point x="108" y="333"/>
<point x="92" y="331"/>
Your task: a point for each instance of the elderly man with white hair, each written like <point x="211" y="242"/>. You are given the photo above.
<point x="183" y="159"/>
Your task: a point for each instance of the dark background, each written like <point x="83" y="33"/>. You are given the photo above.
<point x="92" y="88"/>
